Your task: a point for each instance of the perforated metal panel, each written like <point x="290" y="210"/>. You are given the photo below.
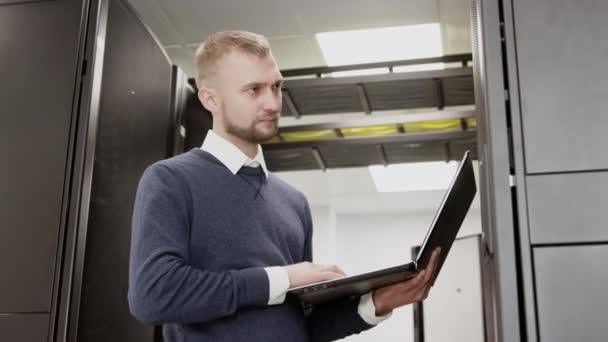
<point x="338" y="156"/>
<point x="326" y="99"/>
<point x="290" y="159"/>
<point x="402" y="94"/>
<point x="414" y="152"/>
<point x="371" y="93"/>
<point x="285" y="110"/>
<point x="342" y="153"/>
<point x="458" y="91"/>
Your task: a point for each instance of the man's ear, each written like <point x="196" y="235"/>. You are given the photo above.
<point x="209" y="99"/>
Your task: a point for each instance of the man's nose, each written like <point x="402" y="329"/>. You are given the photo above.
<point x="272" y="102"/>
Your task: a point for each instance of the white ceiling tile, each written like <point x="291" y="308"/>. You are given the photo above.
<point x="297" y="52"/>
<point x="153" y="16"/>
<point x="291" y="25"/>
<point x="338" y="15"/>
<point x="196" y="19"/>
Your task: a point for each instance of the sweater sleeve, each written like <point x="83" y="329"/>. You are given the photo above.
<point x="163" y="287"/>
<point x="336" y="319"/>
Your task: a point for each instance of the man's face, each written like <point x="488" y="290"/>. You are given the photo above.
<point x="249" y="92"/>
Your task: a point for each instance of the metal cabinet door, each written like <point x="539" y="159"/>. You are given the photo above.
<point x="568" y="207"/>
<point x="562" y="53"/>
<point x="134" y="130"/>
<point x="38" y="70"/>
<point x="571" y="285"/>
<point x="24" y="328"/>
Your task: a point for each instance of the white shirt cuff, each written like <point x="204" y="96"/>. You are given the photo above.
<point x="367" y="310"/>
<point x="278" y="284"/>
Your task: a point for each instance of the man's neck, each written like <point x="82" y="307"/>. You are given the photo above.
<point x="248" y="148"/>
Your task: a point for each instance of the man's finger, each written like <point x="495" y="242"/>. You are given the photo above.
<point x="413" y="285"/>
<point x="329" y="275"/>
<point x="330" y="268"/>
<point x="336" y="269"/>
<point x="430" y="272"/>
<point x="425" y="291"/>
<point x="434" y="265"/>
<point x="435" y="257"/>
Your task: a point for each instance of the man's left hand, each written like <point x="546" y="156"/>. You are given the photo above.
<point x="407" y="292"/>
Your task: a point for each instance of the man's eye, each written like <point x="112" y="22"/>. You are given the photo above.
<point x="253" y="90"/>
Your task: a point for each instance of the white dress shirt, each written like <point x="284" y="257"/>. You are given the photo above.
<point x="278" y="279"/>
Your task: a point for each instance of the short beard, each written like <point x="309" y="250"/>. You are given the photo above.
<point x="249" y="134"/>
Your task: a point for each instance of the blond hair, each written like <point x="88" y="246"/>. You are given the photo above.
<point x="220" y="44"/>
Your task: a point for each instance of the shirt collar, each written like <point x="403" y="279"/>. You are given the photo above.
<point x="230" y="155"/>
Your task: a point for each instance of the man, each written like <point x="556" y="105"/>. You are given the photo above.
<point x="218" y="240"/>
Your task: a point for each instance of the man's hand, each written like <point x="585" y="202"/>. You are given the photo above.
<point x="407" y="292"/>
<point x="306" y="273"/>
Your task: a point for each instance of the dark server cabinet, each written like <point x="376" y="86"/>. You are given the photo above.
<point x="182" y="90"/>
<point x="39" y="69"/>
<point x="24" y="328"/>
<point x="197" y="121"/>
<point x="88" y="102"/>
<point x="135" y="128"/>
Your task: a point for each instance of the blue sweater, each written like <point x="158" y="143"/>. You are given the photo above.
<point x="201" y="239"/>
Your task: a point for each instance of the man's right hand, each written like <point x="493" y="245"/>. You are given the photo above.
<point x="306" y="273"/>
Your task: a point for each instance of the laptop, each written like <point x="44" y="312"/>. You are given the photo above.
<point x="442" y="233"/>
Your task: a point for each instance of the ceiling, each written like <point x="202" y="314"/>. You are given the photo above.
<point x="290" y="25"/>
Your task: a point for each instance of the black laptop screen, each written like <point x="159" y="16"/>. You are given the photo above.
<point x="451" y="213"/>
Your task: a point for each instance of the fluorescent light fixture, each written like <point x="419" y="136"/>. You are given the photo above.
<point x="419" y="67"/>
<point x="381" y="44"/>
<point x="413" y="176"/>
<point x="373" y="71"/>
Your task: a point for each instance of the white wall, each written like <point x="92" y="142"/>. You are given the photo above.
<point x="324" y="235"/>
<point x="362" y="230"/>
<point x="456" y="301"/>
<point x="369" y="242"/>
